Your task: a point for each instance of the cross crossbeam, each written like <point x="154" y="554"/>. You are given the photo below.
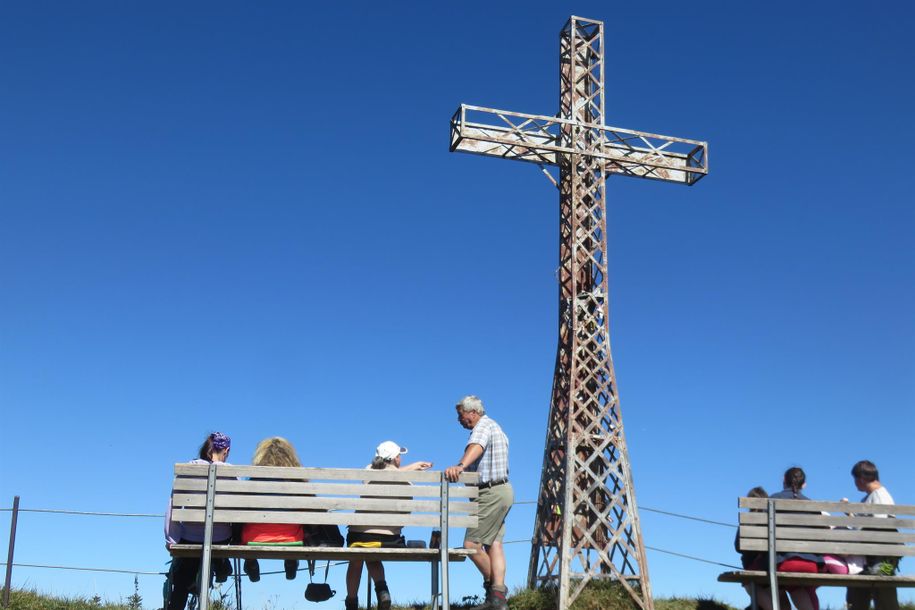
<point x="541" y="139"/>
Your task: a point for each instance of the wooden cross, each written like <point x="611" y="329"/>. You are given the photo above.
<point x="587" y="524"/>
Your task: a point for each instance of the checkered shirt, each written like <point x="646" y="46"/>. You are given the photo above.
<point x="493" y="464"/>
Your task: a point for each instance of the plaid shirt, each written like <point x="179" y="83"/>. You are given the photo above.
<point x="493" y="464"/>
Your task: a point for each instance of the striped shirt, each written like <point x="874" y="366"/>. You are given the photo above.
<point x="493" y="464"/>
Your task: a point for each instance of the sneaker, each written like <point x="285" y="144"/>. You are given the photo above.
<point x="351" y="603"/>
<point x="253" y="570"/>
<point x="292" y="568"/>
<point x="223" y="569"/>
<point x="384" y="599"/>
<point x="884" y="568"/>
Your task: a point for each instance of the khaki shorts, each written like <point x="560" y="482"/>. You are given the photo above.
<point x="495" y="502"/>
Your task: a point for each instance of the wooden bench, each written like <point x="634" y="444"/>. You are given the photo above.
<point x="220" y="493"/>
<point x="784" y="526"/>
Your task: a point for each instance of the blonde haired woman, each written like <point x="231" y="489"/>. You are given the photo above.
<point x="273" y="451"/>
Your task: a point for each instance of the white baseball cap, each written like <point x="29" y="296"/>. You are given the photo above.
<point x="389" y="450"/>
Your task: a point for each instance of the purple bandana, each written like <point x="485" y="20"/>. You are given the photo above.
<point x="220" y="441"/>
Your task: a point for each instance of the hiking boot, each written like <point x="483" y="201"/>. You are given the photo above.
<point x="384" y="599"/>
<point x="498" y="603"/>
<point x="253" y="570"/>
<point x="496" y="598"/>
<point x="222" y="568"/>
<point x="292" y="567"/>
<point x="486" y="605"/>
<point x="351" y="603"/>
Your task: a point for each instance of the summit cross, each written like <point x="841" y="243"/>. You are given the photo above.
<point x="586" y="526"/>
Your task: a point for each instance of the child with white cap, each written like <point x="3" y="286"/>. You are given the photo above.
<point x="387" y="457"/>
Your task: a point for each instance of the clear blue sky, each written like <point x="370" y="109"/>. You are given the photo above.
<point x="244" y="217"/>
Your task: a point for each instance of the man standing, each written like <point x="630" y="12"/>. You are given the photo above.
<point x="486" y="453"/>
<point x="867" y="479"/>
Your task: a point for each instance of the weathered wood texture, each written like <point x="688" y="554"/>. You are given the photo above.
<point x="318" y="474"/>
<point x="314" y="552"/>
<point x="294" y="487"/>
<point x="321" y="496"/>
<point x="220" y="493"/>
<point x="836" y="528"/>
<point x="818" y="580"/>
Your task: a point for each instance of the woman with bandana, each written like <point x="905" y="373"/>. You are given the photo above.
<point x="184" y="569"/>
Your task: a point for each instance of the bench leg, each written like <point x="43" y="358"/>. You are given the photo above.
<point x="237" y="563"/>
<point x="434" y="601"/>
<point x="753" y="592"/>
<point x="368" y="590"/>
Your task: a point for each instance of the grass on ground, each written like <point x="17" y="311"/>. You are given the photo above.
<point x="597" y="596"/>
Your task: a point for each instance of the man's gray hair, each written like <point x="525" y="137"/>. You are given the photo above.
<point x="471" y="403"/>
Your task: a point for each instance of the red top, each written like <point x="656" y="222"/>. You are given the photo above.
<point x="271" y="533"/>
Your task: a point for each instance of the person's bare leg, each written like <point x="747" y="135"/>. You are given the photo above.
<point x="376" y="571"/>
<point x="497" y="563"/>
<point x="763" y="597"/>
<point x="481" y="559"/>
<point x="800" y="597"/>
<point x="353" y="576"/>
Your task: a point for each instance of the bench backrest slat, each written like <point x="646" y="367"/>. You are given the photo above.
<point x="815" y="506"/>
<point x="310" y="503"/>
<point x="888" y="523"/>
<point x="827" y="535"/>
<point x="291" y="487"/>
<point x="264" y="516"/>
<point x="834" y="548"/>
<point x="316" y="474"/>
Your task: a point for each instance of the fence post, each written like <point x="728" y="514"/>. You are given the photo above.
<point x="9" y="556"/>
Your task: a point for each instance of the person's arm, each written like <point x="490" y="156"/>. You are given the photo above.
<point x="417" y="466"/>
<point x="172" y="529"/>
<point x="471" y="454"/>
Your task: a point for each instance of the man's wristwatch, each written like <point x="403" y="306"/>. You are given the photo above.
<point x="461" y="464"/>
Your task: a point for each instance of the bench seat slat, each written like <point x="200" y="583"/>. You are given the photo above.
<point x="313" y="552"/>
<point x="195" y="515"/>
<point x="321" y="504"/>
<point x="828" y="535"/>
<point x="831" y="580"/>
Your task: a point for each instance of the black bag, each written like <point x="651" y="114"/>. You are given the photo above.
<point x="323" y="535"/>
<point x="318" y="591"/>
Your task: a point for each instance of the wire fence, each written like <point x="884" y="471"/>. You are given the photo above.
<point x="162" y="516"/>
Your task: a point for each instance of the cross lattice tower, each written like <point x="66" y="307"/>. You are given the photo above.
<point x="586" y="526"/>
